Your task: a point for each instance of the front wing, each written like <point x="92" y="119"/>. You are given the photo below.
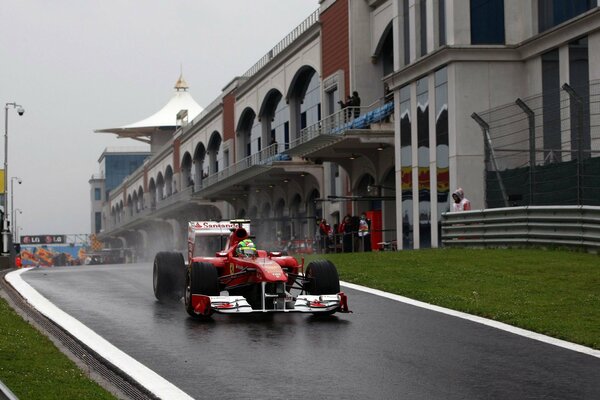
<point x="204" y="305"/>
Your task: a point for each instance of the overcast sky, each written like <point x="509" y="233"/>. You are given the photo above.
<point x="76" y="66"/>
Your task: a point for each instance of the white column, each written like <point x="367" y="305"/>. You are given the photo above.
<point x="433" y="161"/>
<point x="415" y="166"/>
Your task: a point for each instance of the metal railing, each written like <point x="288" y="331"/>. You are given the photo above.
<point x="557" y="226"/>
<point x="284" y="43"/>
<point x="344" y="120"/>
<point x="264" y="157"/>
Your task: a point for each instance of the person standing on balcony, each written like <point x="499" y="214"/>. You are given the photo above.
<point x="355" y="103"/>
<point x="461" y="203"/>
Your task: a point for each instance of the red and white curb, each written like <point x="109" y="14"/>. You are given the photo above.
<point x="152" y="381"/>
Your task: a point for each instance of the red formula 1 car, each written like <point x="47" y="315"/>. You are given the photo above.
<point x="240" y="279"/>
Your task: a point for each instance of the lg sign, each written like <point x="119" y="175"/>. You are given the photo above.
<point x="43" y="239"/>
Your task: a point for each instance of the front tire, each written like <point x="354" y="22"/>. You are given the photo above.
<point x="201" y="278"/>
<point x="322" y="278"/>
<point x="168" y="276"/>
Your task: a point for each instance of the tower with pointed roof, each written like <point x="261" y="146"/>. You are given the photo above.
<point x="158" y="128"/>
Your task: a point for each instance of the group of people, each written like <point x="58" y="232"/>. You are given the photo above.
<point x="355" y="234"/>
<point x="353" y="102"/>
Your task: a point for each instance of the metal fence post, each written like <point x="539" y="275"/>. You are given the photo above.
<point x="532" y="150"/>
<point x="486" y="133"/>
<point x="579" y="101"/>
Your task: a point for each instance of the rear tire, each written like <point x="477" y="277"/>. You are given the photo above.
<point x="168" y="276"/>
<point x="323" y="278"/>
<point x="201" y="278"/>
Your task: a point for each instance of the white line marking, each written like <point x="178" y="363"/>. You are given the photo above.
<point x="136" y="370"/>
<point x="479" y="320"/>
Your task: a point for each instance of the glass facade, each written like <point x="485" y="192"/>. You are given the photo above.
<point x="118" y="166"/>
<point x="555" y="12"/>
<point x="406" y="168"/>
<point x="442" y="21"/>
<point x="423" y="26"/>
<point x="424" y="183"/>
<point x="487" y="21"/>
<point x="406" y="30"/>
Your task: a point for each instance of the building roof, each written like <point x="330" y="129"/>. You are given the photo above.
<point x="165" y="118"/>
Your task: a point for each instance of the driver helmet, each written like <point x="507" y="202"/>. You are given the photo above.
<point x="246" y="248"/>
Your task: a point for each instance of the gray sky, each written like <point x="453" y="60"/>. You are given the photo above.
<point x="76" y="66"/>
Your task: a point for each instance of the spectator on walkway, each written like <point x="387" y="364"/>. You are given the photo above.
<point x="325" y="232"/>
<point x="461" y="203"/>
<point x="346" y="229"/>
<point x="364" y="232"/>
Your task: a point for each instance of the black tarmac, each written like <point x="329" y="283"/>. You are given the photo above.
<point x="384" y="350"/>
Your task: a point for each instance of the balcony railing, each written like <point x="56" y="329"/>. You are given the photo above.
<point x="264" y="157"/>
<point x="285" y="42"/>
<point x="344" y="120"/>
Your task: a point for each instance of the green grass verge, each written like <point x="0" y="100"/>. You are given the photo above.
<point x="33" y="368"/>
<point x="554" y="292"/>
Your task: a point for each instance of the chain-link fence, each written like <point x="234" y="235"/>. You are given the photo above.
<point x="545" y="149"/>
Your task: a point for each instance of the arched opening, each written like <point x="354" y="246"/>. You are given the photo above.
<point x="297" y="218"/>
<point x="248" y="131"/>
<point x="364" y="188"/>
<point x="140" y="197"/>
<point x="153" y="194"/>
<point x="241" y="214"/>
<point x="384" y="57"/>
<point x="160" y="187"/>
<point x="129" y="206"/>
<point x="304" y="98"/>
<point x="120" y="212"/>
<point x="275" y="119"/>
<point x="199" y="173"/>
<point x="214" y="145"/>
<point x="186" y="171"/>
<point x="282" y="229"/>
<point x="169" y="187"/>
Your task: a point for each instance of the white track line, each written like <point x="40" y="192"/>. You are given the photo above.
<point x="139" y="372"/>
<point x="479" y="320"/>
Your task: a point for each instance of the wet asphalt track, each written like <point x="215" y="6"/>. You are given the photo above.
<point x="384" y="350"/>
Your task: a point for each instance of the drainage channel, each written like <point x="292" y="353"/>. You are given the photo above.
<point x="93" y="361"/>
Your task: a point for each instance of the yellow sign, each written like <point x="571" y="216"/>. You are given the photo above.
<point x="1" y="181"/>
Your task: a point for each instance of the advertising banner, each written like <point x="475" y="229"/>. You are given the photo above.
<point x="43" y="239"/>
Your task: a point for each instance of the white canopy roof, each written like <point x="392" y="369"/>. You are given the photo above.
<point x="165" y="118"/>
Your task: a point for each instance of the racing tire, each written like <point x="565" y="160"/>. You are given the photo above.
<point x="201" y="278"/>
<point x="322" y="278"/>
<point x="168" y="276"/>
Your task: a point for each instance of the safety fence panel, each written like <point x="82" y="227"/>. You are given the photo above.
<point x="544" y="150"/>
<point x="557" y="226"/>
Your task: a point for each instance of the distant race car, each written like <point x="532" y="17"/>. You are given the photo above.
<point x="238" y="278"/>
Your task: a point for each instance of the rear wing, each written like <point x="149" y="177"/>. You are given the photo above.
<point x="214" y="229"/>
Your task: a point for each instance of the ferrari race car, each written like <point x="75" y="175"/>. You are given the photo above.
<point x="238" y="278"/>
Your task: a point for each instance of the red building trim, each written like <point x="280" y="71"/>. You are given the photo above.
<point x="335" y="40"/>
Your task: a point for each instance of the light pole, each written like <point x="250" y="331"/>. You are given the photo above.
<point x="15" y="229"/>
<point x="12" y="203"/>
<point x="5" y="231"/>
